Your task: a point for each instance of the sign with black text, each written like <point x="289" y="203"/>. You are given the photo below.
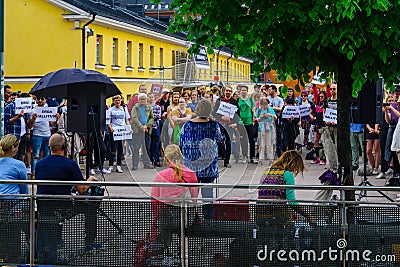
<point x="122" y="132"/>
<point x="23" y="103"/>
<point x="304" y="110"/>
<point x="201" y="59"/>
<point x="291" y="111"/>
<point x="46" y="113"/>
<point x="226" y="109"/>
<point x="330" y="115"/>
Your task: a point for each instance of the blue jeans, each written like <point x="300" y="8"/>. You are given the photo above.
<point x="208" y="209"/>
<point x="155" y="145"/>
<point x="38" y="143"/>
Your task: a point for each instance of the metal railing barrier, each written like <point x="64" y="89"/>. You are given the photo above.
<point x="47" y="230"/>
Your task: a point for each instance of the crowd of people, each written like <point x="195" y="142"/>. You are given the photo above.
<point x="189" y="131"/>
<point x="257" y="132"/>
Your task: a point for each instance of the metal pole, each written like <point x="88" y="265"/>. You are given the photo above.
<point x="32" y="237"/>
<point x="2" y="68"/>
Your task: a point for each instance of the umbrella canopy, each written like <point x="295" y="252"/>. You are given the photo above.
<point x="57" y="83"/>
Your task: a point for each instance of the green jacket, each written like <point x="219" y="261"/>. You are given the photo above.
<point x="135" y="114"/>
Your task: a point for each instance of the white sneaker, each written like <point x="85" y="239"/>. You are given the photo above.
<point x="92" y="172"/>
<point x="110" y="169"/>
<point x="244" y="160"/>
<point x="381" y="176"/>
<point x="119" y="169"/>
<point x="105" y="171"/>
<point x="375" y="171"/>
<point x="28" y="170"/>
<point x="389" y="171"/>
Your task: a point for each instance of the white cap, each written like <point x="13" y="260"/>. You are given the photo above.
<point x="165" y="90"/>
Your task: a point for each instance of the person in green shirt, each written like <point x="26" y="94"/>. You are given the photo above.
<point x="247" y="107"/>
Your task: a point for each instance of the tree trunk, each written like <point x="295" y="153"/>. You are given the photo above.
<point x="345" y="88"/>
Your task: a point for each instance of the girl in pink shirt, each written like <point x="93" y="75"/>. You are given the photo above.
<point x="175" y="173"/>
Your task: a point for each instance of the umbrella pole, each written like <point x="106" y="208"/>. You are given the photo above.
<point x="88" y="153"/>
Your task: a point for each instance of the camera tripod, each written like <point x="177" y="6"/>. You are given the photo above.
<point x="364" y="179"/>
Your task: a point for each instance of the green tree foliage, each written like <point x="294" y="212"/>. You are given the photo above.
<point x="356" y="39"/>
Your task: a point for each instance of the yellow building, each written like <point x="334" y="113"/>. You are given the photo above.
<point x="46" y="35"/>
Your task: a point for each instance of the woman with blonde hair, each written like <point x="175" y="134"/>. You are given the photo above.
<point x="175" y="173"/>
<point x="10" y="168"/>
<point x="166" y="216"/>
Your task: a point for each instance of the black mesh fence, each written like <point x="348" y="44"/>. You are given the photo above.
<point x="14" y="230"/>
<point x="142" y="233"/>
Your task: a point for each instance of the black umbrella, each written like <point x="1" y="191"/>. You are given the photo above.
<point x="56" y="84"/>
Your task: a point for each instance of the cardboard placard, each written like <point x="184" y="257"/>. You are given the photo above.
<point x="330" y="115"/>
<point x="226" y="109"/>
<point x="23" y="103"/>
<point x="122" y="132"/>
<point x="290" y="111"/>
<point x="304" y="110"/>
<point x="46" y="113"/>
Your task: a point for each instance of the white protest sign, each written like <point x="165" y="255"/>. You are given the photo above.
<point x="23" y="103"/>
<point x="304" y="110"/>
<point x="290" y="111"/>
<point x="226" y="109"/>
<point x="46" y="113"/>
<point x="122" y="132"/>
<point x="330" y="115"/>
<point x="108" y="118"/>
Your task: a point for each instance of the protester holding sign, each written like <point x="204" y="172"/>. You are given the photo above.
<point x="290" y="125"/>
<point x="142" y="122"/>
<point x="40" y="123"/>
<point x="318" y="118"/>
<point x="228" y="118"/>
<point x="118" y="117"/>
<point x="332" y="104"/>
<point x="306" y="108"/>
<point x="15" y="121"/>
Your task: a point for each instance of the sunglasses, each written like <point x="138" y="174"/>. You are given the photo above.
<point x="41" y="98"/>
<point x="303" y="95"/>
<point x="228" y="90"/>
<point x="321" y="96"/>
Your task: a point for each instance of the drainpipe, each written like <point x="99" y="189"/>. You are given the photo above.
<point x="217" y="71"/>
<point x="227" y="68"/>
<point x="1" y="68"/>
<point x="83" y="29"/>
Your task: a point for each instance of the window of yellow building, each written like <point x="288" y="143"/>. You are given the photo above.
<point x="151" y="56"/>
<point x="173" y="64"/>
<point x="161" y="57"/>
<point x="99" y="49"/>
<point x="128" y="53"/>
<point x="140" y="55"/>
<point x="115" y="52"/>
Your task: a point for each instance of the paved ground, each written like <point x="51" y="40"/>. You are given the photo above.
<point x="239" y="173"/>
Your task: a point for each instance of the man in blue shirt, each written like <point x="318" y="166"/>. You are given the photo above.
<point x="16" y="124"/>
<point x="57" y="167"/>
